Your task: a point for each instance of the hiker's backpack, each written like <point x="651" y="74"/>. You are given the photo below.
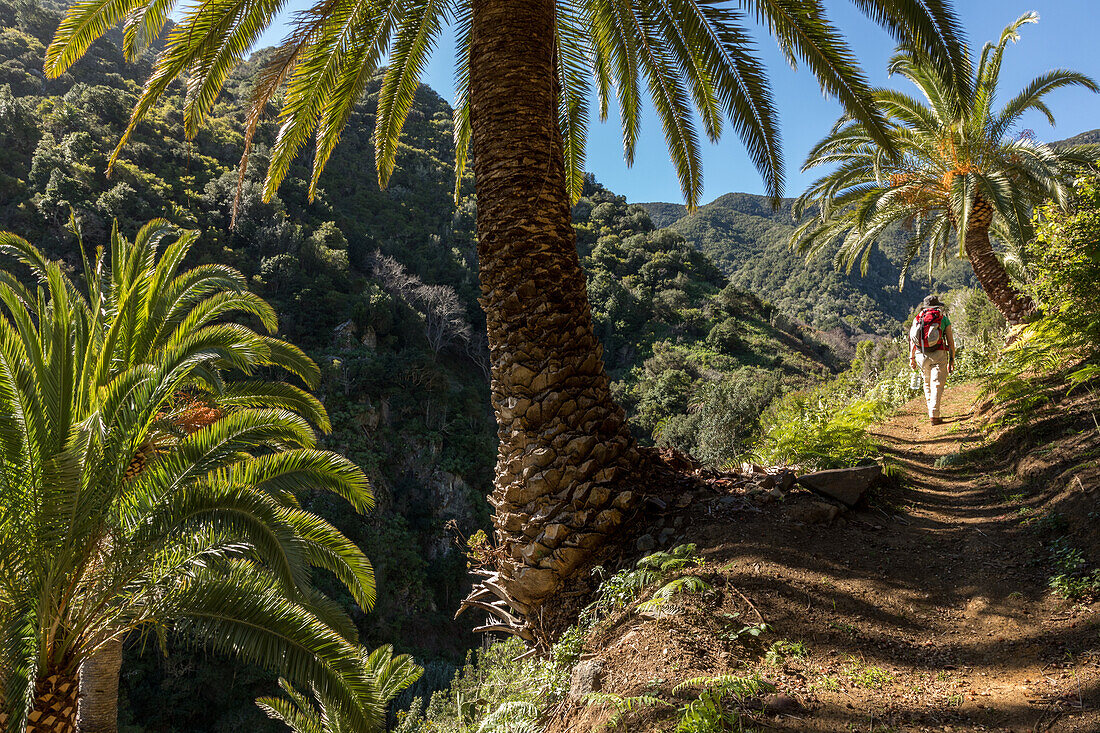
<point x="927" y="330"/>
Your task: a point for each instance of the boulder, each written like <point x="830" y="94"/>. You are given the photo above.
<point x="846" y="485"/>
<point x="587" y="678"/>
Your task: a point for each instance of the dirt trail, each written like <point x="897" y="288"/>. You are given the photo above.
<point x="927" y="612"/>
<point x="926" y="615"/>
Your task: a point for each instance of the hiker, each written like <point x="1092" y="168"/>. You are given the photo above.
<point x="932" y="352"/>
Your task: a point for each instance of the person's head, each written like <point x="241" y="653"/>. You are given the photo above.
<point x="931" y="302"/>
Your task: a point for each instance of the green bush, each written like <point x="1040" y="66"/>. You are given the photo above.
<point x="1064" y="270"/>
<point x="723" y="417"/>
<point x="819" y="429"/>
<point x="1065" y="260"/>
<point x="494" y="690"/>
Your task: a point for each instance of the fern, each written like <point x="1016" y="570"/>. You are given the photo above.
<point x="686" y="584"/>
<point x="623" y="705"/>
<point x="625" y="586"/>
<point x="728" y="684"/>
<point x="511" y="717"/>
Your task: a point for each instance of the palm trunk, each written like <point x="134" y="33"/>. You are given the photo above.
<point x="1014" y="305"/>
<point x="55" y="701"/>
<point x="98" y="710"/>
<point x="564" y="446"/>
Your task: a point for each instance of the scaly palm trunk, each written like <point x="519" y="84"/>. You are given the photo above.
<point x="564" y="446"/>
<point x="1014" y="305"/>
<point x="98" y="709"/>
<point x="55" y="701"/>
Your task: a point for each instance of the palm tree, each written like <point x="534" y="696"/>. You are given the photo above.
<point x="140" y="488"/>
<point x="389" y="675"/>
<point x="959" y="171"/>
<point x="525" y="70"/>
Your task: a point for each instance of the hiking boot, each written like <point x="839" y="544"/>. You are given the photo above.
<point x="937" y="421"/>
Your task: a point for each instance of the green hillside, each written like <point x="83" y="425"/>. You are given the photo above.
<point x="696" y="358"/>
<point x="664" y="214"/>
<point x="748" y="241"/>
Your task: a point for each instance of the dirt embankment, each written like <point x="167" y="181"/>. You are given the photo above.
<point x="928" y="611"/>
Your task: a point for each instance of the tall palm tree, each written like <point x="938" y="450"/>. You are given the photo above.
<point x="132" y="501"/>
<point x="525" y="70"/>
<point x="389" y="675"/>
<point x="960" y="171"/>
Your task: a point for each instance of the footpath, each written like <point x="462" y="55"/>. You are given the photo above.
<point x="932" y="612"/>
<point x="929" y="610"/>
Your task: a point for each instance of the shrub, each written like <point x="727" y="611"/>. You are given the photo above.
<point x="1064" y="269"/>
<point x="1065" y="259"/>
<point x="819" y="429"/>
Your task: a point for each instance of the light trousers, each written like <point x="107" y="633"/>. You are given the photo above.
<point x="933" y="366"/>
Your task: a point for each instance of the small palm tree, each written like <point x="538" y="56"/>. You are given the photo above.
<point x="526" y="70"/>
<point x="141" y="488"/>
<point x="389" y="675"/>
<point x="959" y="171"/>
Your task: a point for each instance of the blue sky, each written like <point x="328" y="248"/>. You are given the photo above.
<point x="1065" y="37"/>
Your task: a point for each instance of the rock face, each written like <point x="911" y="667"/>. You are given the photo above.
<point x="846" y="485"/>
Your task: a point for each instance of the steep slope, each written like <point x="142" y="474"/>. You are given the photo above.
<point x="748" y="240"/>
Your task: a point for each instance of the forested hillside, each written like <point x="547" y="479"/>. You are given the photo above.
<point x="378" y="287"/>
<point x="696" y="359"/>
<point x="748" y="240"/>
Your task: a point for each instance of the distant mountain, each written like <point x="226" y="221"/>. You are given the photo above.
<point x="664" y="214"/>
<point x="747" y="238"/>
<point x="1090" y="137"/>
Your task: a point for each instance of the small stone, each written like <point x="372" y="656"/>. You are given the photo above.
<point x="646" y="543"/>
<point x="779" y="703"/>
<point x="814" y="512"/>
<point x="666" y="535"/>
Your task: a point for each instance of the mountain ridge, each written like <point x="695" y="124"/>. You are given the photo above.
<point x="748" y="238"/>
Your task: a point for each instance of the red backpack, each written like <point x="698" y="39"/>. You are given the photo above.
<point x="927" y="331"/>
